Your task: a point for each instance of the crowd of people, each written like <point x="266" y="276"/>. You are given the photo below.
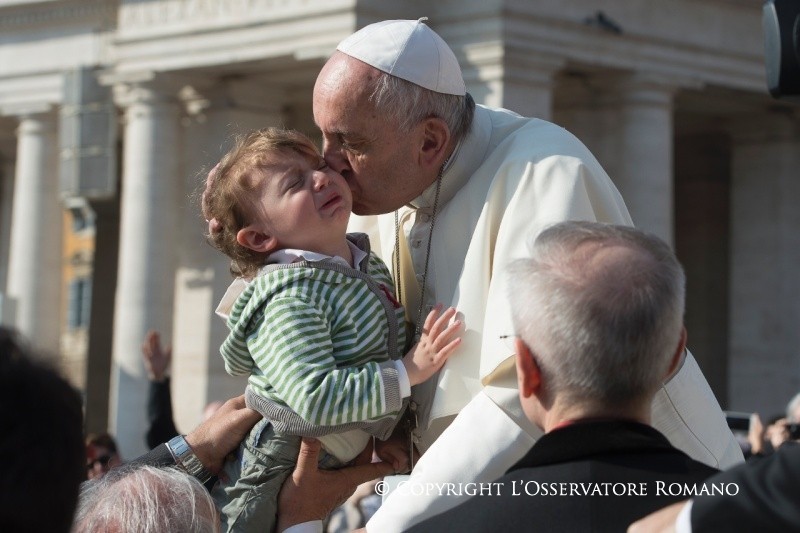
<point x="570" y="404"/>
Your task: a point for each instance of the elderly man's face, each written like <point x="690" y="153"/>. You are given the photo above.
<point x="379" y="162"/>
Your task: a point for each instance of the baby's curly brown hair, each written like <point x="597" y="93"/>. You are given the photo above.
<point x="228" y="201"/>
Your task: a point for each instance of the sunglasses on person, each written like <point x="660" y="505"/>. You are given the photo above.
<point x="103" y="460"/>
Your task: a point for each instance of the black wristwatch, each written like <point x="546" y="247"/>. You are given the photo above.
<point x="186" y="459"/>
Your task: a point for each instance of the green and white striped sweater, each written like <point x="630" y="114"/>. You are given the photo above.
<point x="317" y="339"/>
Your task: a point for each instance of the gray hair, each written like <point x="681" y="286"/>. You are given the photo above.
<point x="145" y="499"/>
<point x="601" y="308"/>
<point x="791" y="407"/>
<point x="408" y="104"/>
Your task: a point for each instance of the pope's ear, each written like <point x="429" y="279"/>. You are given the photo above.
<point x="256" y="240"/>
<point x="435" y="139"/>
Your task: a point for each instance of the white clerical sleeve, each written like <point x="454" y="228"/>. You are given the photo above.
<point x="683" y="524"/>
<point x="482" y="442"/>
<point x="686" y="411"/>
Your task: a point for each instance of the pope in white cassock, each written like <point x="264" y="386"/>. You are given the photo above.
<point x="459" y="194"/>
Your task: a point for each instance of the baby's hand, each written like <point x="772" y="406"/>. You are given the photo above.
<point x="438" y="341"/>
<point x="393" y="451"/>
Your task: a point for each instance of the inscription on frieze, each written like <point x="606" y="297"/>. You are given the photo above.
<point x="141" y="14"/>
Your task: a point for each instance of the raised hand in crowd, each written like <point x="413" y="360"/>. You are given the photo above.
<point x="765" y="440"/>
<point x="156" y="358"/>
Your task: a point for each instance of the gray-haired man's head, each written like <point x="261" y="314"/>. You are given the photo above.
<point x="601" y="309"/>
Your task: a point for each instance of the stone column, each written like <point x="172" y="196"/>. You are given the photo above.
<point x="764" y="367"/>
<point x="203" y="274"/>
<point x="7" y="171"/>
<point x="151" y="183"/>
<point x="34" y="273"/>
<point x="514" y="79"/>
<point x="702" y="242"/>
<point x="645" y="157"/>
<point x="627" y="122"/>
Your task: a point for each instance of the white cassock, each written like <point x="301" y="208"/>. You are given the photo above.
<point x="507" y="181"/>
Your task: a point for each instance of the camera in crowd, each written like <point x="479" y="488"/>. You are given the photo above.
<point x="739" y="423"/>
<point x="781" y="21"/>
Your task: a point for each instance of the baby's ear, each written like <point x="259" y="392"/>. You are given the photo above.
<point x="256" y="240"/>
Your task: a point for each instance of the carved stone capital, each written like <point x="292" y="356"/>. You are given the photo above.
<point x="145" y="88"/>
